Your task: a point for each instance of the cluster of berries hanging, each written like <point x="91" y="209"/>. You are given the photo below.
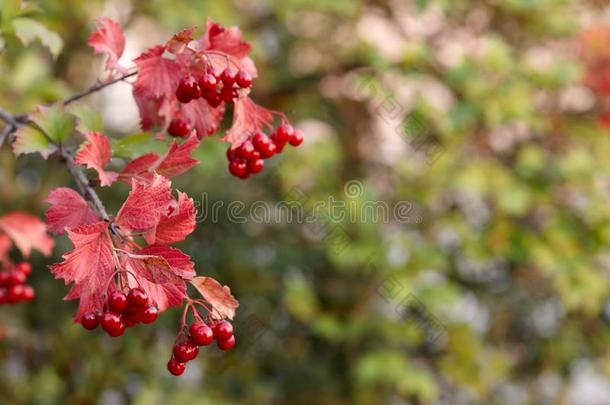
<point x="13" y="287"/>
<point x="122" y="311"/>
<point x="248" y="158"/>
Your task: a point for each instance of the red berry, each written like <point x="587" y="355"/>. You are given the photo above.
<point x="3" y="299"/>
<point x="137" y="297"/>
<point x="283" y="133"/>
<point x="112" y="324"/>
<point x="238" y="168"/>
<point x="226" y="344"/>
<point x="24" y="267"/>
<point x="230" y="153"/>
<point x="264" y="145"/>
<point x="228" y="94"/>
<point x="90" y="320"/>
<point x="150" y="314"/>
<point x="223" y="330"/>
<point x="4" y="278"/>
<point x="228" y="77"/>
<point x="245" y="150"/>
<point x="179" y="127"/>
<point x="213" y="99"/>
<point x="297" y="137"/>
<point x="188" y="89"/>
<point x="201" y="334"/>
<point x="256" y="165"/>
<point x="28" y="294"/>
<point x="131" y="320"/>
<point x="207" y="83"/>
<point x="185" y="351"/>
<point x="175" y="367"/>
<point x="14" y="293"/>
<point x="117" y="302"/>
<point x="243" y="80"/>
<point x="16" y="277"/>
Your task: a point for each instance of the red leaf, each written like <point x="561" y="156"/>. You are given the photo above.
<point x="176" y="225"/>
<point x="109" y="40"/>
<point x="158" y="76"/>
<point x="96" y="155"/>
<point x="204" y="118"/>
<point x="176" y="161"/>
<point x="89" y="265"/>
<point x="5" y="247"/>
<point x="68" y="210"/>
<point x="27" y="231"/>
<point x="248" y="118"/>
<point x="217" y="295"/>
<point x="228" y="41"/>
<point x="160" y="271"/>
<point x="178" y="43"/>
<point x="145" y="204"/>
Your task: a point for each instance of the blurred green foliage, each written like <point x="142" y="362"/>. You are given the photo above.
<point x="505" y="247"/>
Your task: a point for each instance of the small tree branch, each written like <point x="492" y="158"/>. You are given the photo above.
<point x="97" y="87"/>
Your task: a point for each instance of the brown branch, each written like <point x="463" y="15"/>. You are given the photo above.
<point x="97" y="87"/>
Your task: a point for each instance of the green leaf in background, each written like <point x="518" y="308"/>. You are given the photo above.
<point x="88" y="119"/>
<point x="27" y="30"/>
<point x="30" y="140"/>
<point x="138" y="144"/>
<point x="54" y="121"/>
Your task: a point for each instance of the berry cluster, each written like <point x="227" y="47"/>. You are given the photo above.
<point x="249" y="157"/>
<point x="214" y="87"/>
<point x="122" y="311"/>
<point x="13" y="287"/>
<point x="200" y="334"/>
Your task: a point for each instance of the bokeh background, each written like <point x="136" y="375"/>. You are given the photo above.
<point x="485" y="121"/>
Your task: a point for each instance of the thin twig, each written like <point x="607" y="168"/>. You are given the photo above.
<point x="97" y="88"/>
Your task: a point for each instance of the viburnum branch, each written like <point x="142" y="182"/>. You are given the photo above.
<point x="98" y="87"/>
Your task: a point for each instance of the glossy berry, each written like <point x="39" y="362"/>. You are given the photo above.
<point x="179" y="127"/>
<point x="4" y="278"/>
<point x="16" y="277"/>
<point x="188" y="89"/>
<point x="245" y="150"/>
<point x="243" y="80"/>
<point x="256" y="166"/>
<point x="90" y="320"/>
<point x="223" y="330"/>
<point x="213" y="99"/>
<point x="297" y="137"/>
<point x="28" y="294"/>
<point x="149" y="315"/>
<point x="283" y="133"/>
<point x="264" y="145"/>
<point x="175" y="367"/>
<point x="228" y="94"/>
<point x="185" y="351"/>
<point x="117" y="302"/>
<point x="24" y="267"/>
<point x="228" y="77"/>
<point x="226" y="344"/>
<point x="137" y="297"/>
<point x="112" y="324"/>
<point x="238" y="168"/>
<point x="207" y="83"/>
<point x="14" y="293"/>
<point x="201" y="334"/>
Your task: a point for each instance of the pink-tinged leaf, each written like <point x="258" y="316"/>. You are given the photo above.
<point x="178" y="43"/>
<point x="30" y="140"/>
<point x="68" y="210"/>
<point x="89" y="265"/>
<point x="203" y="117"/>
<point x="217" y="295"/>
<point x="176" y="161"/>
<point x="109" y="40"/>
<point x="158" y="76"/>
<point x="160" y="271"/>
<point x="145" y="204"/>
<point x="248" y="118"/>
<point x="96" y="155"/>
<point x="229" y="42"/>
<point x="5" y="247"/>
<point x="176" y="224"/>
<point x="27" y="232"/>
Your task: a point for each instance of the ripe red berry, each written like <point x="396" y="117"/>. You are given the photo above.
<point x="150" y="314"/>
<point x="137" y="297"/>
<point x="238" y="168"/>
<point x="185" y="351"/>
<point x="28" y="294"/>
<point x="179" y="127"/>
<point x="256" y="166"/>
<point x="175" y="367"/>
<point x="223" y="330"/>
<point x="14" y="293"/>
<point x="245" y="150"/>
<point x="117" y="302"/>
<point x="264" y="145"/>
<point x="297" y="137"/>
<point x="3" y="299"/>
<point x="112" y="324"/>
<point x="201" y="334"/>
<point x="243" y="80"/>
<point x="230" y="153"/>
<point x="16" y="277"/>
<point x="207" y="83"/>
<point x="90" y="320"/>
<point x="283" y="133"/>
<point x="213" y="99"/>
<point x="226" y="344"/>
<point x="228" y="94"/>
<point x="24" y="267"/>
<point x="4" y="278"/>
<point x="188" y="89"/>
<point x="228" y="77"/>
